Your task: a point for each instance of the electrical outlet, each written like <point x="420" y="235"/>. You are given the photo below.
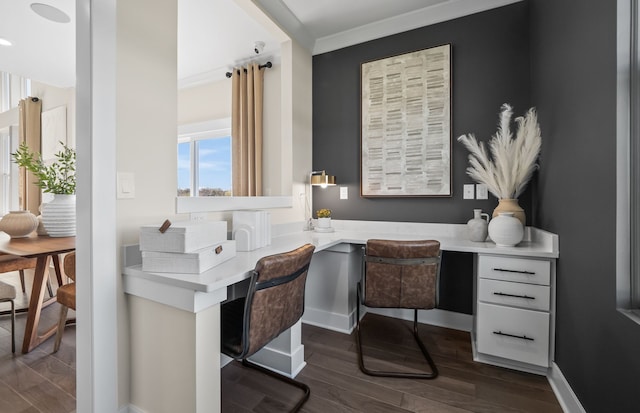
<point x="468" y="192"/>
<point x="481" y="191"/>
<point x="344" y="192"/>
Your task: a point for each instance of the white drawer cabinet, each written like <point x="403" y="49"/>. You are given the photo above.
<point x="514" y="317"/>
<point x="530" y="296"/>
<point x="524" y="270"/>
<point x="514" y="334"/>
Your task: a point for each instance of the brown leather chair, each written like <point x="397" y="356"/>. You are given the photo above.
<point x="8" y="293"/>
<point x="66" y="296"/>
<point x="274" y="303"/>
<point x="399" y="274"/>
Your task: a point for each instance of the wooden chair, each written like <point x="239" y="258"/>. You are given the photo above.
<point x="274" y="303"/>
<point x="9" y="263"/>
<point x="66" y="296"/>
<point x="8" y="293"/>
<point x="399" y="274"/>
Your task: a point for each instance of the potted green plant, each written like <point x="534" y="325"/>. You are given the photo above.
<point x="324" y="218"/>
<point x="57" y="178"/>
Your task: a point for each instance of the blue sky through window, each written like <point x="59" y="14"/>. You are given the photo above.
<point x="214" y="163"/>
<point x="214" y="160"/>
<point x="184" y="165"/>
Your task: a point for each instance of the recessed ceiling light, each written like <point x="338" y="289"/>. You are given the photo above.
<point x="5" y="42"/>
<point x="50" y="13"/>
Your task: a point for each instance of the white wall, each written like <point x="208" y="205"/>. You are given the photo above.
<point x="205" y="102"/>
<point x="52" y="97"/>
<point x="146" y="142"/>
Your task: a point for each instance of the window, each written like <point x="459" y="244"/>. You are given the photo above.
<point x="204" y="159"/>
<point x="628" y="160"/>
<point x="634" y="157"/>
<point x="9" y="176"/>
<point x="12" y="89"/>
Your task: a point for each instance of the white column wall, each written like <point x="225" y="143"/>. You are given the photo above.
<point x="146" y="146"/>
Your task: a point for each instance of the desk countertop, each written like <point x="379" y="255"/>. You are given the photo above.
<point x="452" y="237"/>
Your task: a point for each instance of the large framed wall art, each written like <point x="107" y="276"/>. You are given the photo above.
<point x="405" y="131"/>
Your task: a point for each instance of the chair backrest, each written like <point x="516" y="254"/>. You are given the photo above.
<point x="401" y="274"/>
<point x="69" y="265"/>
<point x="275" y="300"/>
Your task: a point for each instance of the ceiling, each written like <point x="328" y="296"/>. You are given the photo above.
<point x="210" y="41"/>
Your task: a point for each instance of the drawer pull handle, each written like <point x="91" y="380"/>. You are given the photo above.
<point x="523" y="337"/>
<point x="515" y="271"/>
<point x="514" y="295"/>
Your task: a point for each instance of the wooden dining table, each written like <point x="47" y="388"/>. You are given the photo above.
<point x="43" y="248"/>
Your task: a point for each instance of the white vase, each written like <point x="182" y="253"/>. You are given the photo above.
<point x="324" y="222"/>
<point x="18" y="224"/>
<point x="59" y="216"/>
<point x="477" y="226"/>
<point x="506" y="230"/>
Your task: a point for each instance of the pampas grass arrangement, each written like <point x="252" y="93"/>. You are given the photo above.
<point x="512" y="162"/>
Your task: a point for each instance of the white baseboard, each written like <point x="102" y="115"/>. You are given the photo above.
<point x="331" y="321"/>
<point x="130" y="409"/>
<point x="287" y="364"/>
<point x="565" y="395"/>
<point x="436" y="317"/>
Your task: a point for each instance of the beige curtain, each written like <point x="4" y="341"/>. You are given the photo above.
<point x="246" y="130"/>
<point x="29" y="131"/>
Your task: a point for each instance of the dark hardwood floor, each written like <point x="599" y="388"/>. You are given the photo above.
<point x="40" y="381"/>
<point x="337" y="385"/>
<point x="43" y="382"/>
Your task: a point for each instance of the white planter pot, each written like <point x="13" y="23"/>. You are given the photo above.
<point x="506" y="230"/>
<point x="324" y="222"/>
<point x="59" y="216"/>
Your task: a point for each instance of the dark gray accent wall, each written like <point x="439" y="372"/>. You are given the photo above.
<point x="490" y="66"/>
<point x="573" y="56"/>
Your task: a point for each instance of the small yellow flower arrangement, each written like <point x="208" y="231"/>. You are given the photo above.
<point x="323" y="213"/>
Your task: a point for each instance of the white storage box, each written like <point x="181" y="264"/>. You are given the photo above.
<point x="189" y="262"/>
<point x="183" y="236"/>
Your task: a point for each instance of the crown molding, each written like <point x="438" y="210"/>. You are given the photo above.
<point x="408" y="21"/>
<point x="280" y="13"/>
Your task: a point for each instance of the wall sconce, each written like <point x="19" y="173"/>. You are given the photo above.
<point x="316" y="178"/>
<point x="321" y="179"/>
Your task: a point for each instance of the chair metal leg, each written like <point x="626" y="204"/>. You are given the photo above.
<point x="379" y="373"/>
<point x="285" y="379"/>
<point x="22" y="280"/>
<point x="13" y="327"/>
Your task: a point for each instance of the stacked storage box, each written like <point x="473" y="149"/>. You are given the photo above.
<point x="185" y="247"/>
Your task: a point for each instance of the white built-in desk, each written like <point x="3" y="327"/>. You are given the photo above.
<point x="175" y="318"/>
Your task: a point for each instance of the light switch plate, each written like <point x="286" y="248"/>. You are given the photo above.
<point x="468" y="192"/>
<point x="126" y="185"/>
<point x="344" y="192"/>
<point x="481" y="191"/>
